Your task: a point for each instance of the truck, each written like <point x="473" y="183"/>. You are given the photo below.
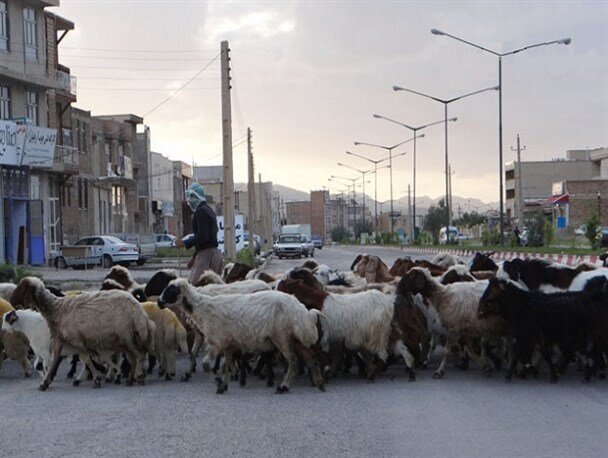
<point x="302" y="229"/>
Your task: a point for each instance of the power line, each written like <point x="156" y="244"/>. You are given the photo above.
<point x="109" y="89"/>
<point x="147" y="50"/>
<point x="182" y="86"/>
<point x="156" y="59"/>
<point x="137" y="78"/>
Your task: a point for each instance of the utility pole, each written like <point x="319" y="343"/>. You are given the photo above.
<point x="251" y="194"/>
<point x="228" y="181"/>
<point x="520" y="197"/>
<point x="409" y="212"/>
<point x="450" y="194"/>
<point x="262" y="226"/>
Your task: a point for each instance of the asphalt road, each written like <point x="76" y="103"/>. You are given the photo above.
<point x="463" y="415"/>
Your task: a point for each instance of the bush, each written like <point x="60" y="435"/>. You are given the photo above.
<point x="490" y="237"/>
<point x="245" y="256"/>
<point x="548" y="232"/>
<point x="536" y="231"/>
<point x="11" y="273"/>
<point x="593" y="227"/>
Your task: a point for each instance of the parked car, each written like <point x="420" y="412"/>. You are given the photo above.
<point x="165" y="240"/>
<point x="581" y="230"/>
<point x="104" y="250"/>
<point x="289" y="245"/>
<point x="462" y="237"/>
<point x="604" y="237"/>
<point x="317" y="241"/>
<point x="308" y="248"/>
<point x="256" y="241"/>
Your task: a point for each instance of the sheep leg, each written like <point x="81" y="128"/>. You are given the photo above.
<point x="268" y="358"/>
<point x="286" y="349"/>
<point x="80" y="375"/>
<point x="73" y="366"/>
<point x="440" y="372"/>
<point x="370" y="367"/>
<point x="86" y="359"/>
<point x="227" y="369"/>
<point x="545" y="350"/>
<point x="26" y="365"/>
<point x="169" y="364"/>
<point x="469" y="349"/>
<point x="308" y="356"/>
<point x="151" y="363"/>
<point x="401" y="348"/>
<point x="50" y="375"/>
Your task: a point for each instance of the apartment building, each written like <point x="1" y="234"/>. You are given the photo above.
<point x="36" y="94"/>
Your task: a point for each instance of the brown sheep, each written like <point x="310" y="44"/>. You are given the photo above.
<point x="14" y="345"/>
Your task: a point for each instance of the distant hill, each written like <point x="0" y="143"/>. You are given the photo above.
<point x="287" y="194"/>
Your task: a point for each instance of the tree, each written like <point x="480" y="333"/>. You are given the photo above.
<point x="339" y="234"/>
<point x="593" y="226"/>
<point x="435" y="220"/>
<point x="471" y="219"/>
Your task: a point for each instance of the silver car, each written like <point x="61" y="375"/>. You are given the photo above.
<point x="104" y="250"/>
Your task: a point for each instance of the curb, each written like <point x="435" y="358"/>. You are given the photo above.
<point x="567" y="259"/>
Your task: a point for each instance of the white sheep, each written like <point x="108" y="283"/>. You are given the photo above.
<point x="457" y="305"/>
<point x="446" y="260"/>
<point x="102" y="322"/>
<point x="249" y="323"/>
<point x="6" y="289"/>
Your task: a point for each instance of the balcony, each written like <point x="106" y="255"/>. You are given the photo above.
<point x="66" y="160"/>
<point x="66" y="85"/>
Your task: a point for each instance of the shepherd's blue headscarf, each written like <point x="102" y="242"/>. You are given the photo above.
<point x="195" y="194"/>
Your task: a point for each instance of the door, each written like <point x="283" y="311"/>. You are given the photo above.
<point x="35" y="233"/>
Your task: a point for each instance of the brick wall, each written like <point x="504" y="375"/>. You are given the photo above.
<point x="317" y="212"/>
<point x="298" y="212"/>
<point x="584" y="201"/>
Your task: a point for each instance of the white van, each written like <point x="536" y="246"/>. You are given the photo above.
<point x="453" y="234"/>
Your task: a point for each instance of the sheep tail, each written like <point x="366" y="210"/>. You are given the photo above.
<point x="306" y="331"/>
<point x="144" y="333"/>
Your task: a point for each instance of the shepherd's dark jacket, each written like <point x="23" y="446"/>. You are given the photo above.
<point x="204" y="227"/>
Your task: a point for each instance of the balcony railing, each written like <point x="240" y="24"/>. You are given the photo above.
<point x="66" y="158"/>
<point x="66" y="82"/>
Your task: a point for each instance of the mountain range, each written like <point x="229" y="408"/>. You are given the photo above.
<point x="461" y="204"/>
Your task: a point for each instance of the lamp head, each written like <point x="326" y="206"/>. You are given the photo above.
<point x="397" y="88"/>
<point x="377" y="116"/>
<point x="496" y="88"/>
<point x="453" y="119"/>
<point x="437" y="32"/>
<point x="357" y="143"/>
<point x="421" y="136"/>
<point x="565" y="41"/>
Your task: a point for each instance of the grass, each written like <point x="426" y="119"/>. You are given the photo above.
<point x="172" y="252"/>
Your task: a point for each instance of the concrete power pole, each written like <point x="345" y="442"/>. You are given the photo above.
<point x="251" y="194"/>
<point x="409" y="211"/>
<point x="450" y="191"/>
<point x="520" y="197"/>
<point x="228" y="181"/>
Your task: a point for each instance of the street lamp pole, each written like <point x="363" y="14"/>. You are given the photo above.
<point x="446" y="102"/>
<point x="352" y="180"/>
<point x="415" y="130"/>
<point x="375" y="180"/>
<point x="563" y="41"/>
<point x="390" y="164"/>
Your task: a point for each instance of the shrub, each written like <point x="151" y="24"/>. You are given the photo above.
<point x="245" y="256"/>
<point x="548" y="232"/>
<point x="536" y="231"/>
<point x="593" y="227"/>
<point x="11" y="273"/>
<point x="490" y="237"/>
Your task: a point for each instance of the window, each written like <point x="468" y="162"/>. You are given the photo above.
<point x="67" y="195"/>
<point x="5" y="102"/>
<point x="31" y="106"/>
<point x="29" y="33"/>
<point x="83" y="193"/>
<point x="3" y="27"/>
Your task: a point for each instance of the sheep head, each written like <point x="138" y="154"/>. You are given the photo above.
<point x="174" y="294"/>
<point x="110" y="284"/>
<point x="121" y="275"/>
<point x="26" y="294"/>
<point x="307" y="277"/>
<point x="489" y="302"/>
<point x="139" y="294"/>
<point x="417" y="280"/>
<point x="159" y="282"/>
<point x="9" y="319"/>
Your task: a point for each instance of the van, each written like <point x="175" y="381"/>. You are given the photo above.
<point x="453" y="234"/>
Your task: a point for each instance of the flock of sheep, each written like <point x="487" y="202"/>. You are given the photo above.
<point x="315" y="320"/>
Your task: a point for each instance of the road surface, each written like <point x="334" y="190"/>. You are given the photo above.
<point x="463" y="415"/>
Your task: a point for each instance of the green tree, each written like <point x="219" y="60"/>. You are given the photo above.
<point x="340" y="234"/>
<point x="591" y="231"/>
<point x="435" y="220"/>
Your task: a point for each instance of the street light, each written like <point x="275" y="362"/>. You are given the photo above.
<point x="375" y="180"/>
<point x="563" y="41"/>
<point x="363" y="172"/>
<point x="446" y="102"/>
<point x="352" y="180"/>
<point x="390" y="164"/>
<point x="415" y="130"/>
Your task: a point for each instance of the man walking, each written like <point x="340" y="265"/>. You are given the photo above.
<point x="204" y="226"/>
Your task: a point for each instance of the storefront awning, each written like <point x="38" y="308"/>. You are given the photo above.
<point x="557" y="200"/>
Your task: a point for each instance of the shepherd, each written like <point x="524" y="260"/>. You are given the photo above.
<point x="204" y="226"/>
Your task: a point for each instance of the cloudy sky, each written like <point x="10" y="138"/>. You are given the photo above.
<point x="309" y="75"/>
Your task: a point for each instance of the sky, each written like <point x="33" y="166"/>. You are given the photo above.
<point x="308" y="76"/>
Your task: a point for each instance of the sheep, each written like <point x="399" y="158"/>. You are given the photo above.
<point x="446" y="260"/>
<point x="456" y="305"/>
<point x="249" y="323"/>
<point x="361" y="321"/>
<point x="93" y="323"/>
<point x="170" y="335"/>
<point x="456" y="273"/>
<point x="571" y="320"/>
<point x="260" y="275"/>
<point x="373" y="269"/>
<point x="310" y="264"/>
<point x="14" y="345"/>
<point x="6" y="289"/>
<point x="209" y="277"/>
<point x="237" y="272"/>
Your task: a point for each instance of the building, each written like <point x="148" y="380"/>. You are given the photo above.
<point x="142" y="172"/>
<point x="182" y="177"/>
<point x="161" y="180"/>
<point x="36" y="93"/>
<point x="537" y="178"/>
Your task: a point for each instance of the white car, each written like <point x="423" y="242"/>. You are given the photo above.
<point x="104" y="250"/>
<point x="581" y="230"/>
<point x="165" y="240"/>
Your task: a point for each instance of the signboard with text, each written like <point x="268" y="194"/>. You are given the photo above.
<point x="238" y="232"/>
<point x="39" y="146"/>
<point x="8" y="143"/>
